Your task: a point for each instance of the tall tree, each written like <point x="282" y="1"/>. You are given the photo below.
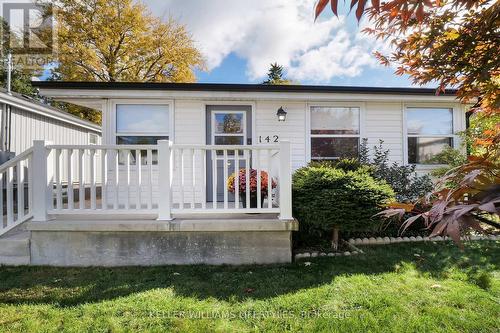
<point x="119" y="40"/>
<point x="275" y="75"/>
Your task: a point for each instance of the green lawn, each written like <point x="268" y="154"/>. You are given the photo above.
<point x="413" y="287"/>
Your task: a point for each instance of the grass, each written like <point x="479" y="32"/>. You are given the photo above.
<point x="415" y="287"/>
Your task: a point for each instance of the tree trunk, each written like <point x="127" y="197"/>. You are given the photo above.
<point x="335" y="238"/>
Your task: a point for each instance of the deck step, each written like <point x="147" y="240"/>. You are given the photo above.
<point x="15" y="249"/>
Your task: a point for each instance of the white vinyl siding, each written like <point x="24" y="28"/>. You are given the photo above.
<point x="27" y="126"/>
<point x="384" y="121"/>
<point x="292" y="129"/>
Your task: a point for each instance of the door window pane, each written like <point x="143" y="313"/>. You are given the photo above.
<point x="429" y="121"/>
<point x="228" y="140"/>
<point x="229" y="123"/>
<point x="421" y="150"/>
<point x="142" y="118"/>
<point x="330" y="148"/>
<point x="334" y="120"/>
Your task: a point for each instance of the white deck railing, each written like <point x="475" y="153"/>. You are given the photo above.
<point x="16" y="191"/>
<point x="165" y="179"/>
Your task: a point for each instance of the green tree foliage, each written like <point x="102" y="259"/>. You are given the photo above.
<point x="275" y="76"/>
<point x="20" y="82"/>
<point x="119" y="40"/>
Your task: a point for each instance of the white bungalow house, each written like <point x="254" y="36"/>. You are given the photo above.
<point x="167" y="154"/>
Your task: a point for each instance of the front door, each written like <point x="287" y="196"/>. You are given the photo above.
<point x="226" y="125"/>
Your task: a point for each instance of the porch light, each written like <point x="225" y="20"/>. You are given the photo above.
<point x="281" y="114"/>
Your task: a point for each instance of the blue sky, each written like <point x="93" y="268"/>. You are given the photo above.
<point x="240" y="38"/>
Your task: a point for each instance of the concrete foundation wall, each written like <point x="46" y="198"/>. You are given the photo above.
<point x="115" y="248"/>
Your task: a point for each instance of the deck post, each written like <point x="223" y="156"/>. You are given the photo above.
<point x="42" y="180"/>
<point x="165" y="180"/>
<point x="285" y="181"/>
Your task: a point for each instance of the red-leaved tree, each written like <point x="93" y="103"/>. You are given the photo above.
<point x="456" y="44"/>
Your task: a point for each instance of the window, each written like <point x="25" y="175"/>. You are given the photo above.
<point x="142" y="124"/>
<point x="335" y="132"/>
<point x="429" y="131"/>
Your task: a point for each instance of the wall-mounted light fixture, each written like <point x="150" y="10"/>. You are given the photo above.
<point x="281" y="114"/>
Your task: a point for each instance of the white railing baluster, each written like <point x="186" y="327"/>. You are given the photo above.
<point x="30" y="186"/>
<point x="269" y="180"/>
<point x="236" y="179"/>
<point x="165" y="181"/>
<point x="127" y="161"/>
<point x="116" y="198"/>
<point x="193" y="155"/>
<point x="57" y="176"/>
<point x="138" y="157"/>
<point x="247" y="178"/>
<point x="150" y="178"/>
<point x="214" y="179"/>
<point x="104" y="179"/>
<point x="93" y="195"/>
<point x="258" y="175"/>
<point x="181" y="201"/>
<point x="20" y="190"/>
<point x="69" y="187"/>
<point x="204" y="177"/>
<point x="81" y="178"/>
<point x="10" y="194"/>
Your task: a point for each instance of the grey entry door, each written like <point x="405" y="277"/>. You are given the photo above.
<point x="226" y="125"/>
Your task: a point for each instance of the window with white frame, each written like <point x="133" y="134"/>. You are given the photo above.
<point x="142" y="124"/>
<point x="429" y="131"/>
<point x="335" y="132"/>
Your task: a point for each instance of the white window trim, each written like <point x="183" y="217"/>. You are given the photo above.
<point x="171" y="115"/>
<point x="251" y="103"/>
<point x="455" y="128"/>
<point x="354" y="104"/>
<point x="243" y="134"/>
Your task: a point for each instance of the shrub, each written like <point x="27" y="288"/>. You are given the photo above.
<point x="346" y="164"/>
<point x="327" y="199"/>
<point x="403" y="179"/>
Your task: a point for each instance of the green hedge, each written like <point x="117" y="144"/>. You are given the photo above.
<point x="324" y="197"/>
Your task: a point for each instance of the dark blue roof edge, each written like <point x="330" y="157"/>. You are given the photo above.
<point x="236" y="87"/>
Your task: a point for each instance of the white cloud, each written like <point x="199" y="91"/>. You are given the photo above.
<point x="263" y="31"/>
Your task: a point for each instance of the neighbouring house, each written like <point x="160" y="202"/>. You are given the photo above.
<point x="25" y="119"/>
<point x="160" y="188"/>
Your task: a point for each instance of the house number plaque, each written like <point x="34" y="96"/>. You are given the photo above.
<point x="269" y="139"/>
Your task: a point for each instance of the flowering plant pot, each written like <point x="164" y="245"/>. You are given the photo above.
<point x="253" y="200"/>
<point x="252" y="178"/>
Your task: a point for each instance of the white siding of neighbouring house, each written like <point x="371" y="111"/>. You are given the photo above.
<point x="27" y="127"/>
